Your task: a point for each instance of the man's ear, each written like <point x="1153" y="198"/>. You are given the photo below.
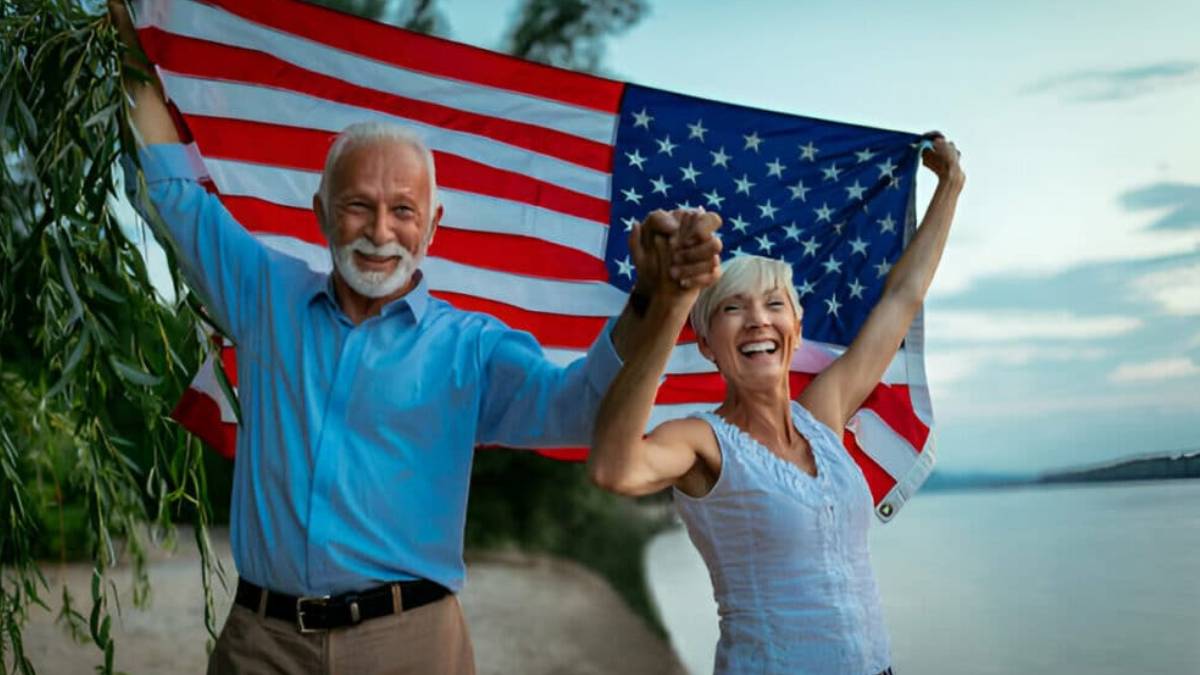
<point x="319" y="210"/>
<point x="433" y="225"/>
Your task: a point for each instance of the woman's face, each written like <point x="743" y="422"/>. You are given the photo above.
<point x="752" y="336"/>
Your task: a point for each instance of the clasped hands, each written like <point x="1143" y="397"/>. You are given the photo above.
<point x="676" y="254"/>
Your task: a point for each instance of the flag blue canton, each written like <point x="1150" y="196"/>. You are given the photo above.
<point x="833" y="200"/>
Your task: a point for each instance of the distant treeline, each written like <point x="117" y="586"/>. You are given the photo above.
<point x="1149" y="468"/>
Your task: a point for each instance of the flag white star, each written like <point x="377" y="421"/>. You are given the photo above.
<point x="635" y="158"/>
<point x="764" y="243"/>
<point x="744" y="184"/>
<point x="887" y="224"/>
<point x="894" y="183"/>
<point x="737" y="251"/>
<point x="689" y="172"/>
<point x="887" y="168"/>
<point x="855" y="191"/>
<point x="752" y="141"/>
<point x="805" y="288"/>
<point x="642" y="119"/>
<point x="856" y="289"/>
<point x="767" y="210"/>
<point x="665" y="145"/>
<point x="625" y="268"/>
<point x="831" y="172"/>
<point x="775" y="168"/>
<point x="629" y="223"/>
<point x="882" y="269"/>
<point x="799" y="191"/>
<point x="864" y="155"/>
<point x="833" y="305"/>
<point x="857" y="245"/>
<point x="714" y="199"/>
<point x="660" y="185"/>
<point x="838" y="227"/>
<point x="832" y="266"/>
<point x="824" y="212"/>
<point x="719" y="157"/>
<point x="697" y="130"/>
<point x="685" y="205"/>
<point x="631" y="195"/>
<point x="790" y="231"/>
<point x="739" y="224"/>
<point x="810" y="246"/>
<point x="809" y="152"/>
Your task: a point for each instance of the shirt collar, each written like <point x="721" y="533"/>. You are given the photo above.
<point x="416" y="300"/>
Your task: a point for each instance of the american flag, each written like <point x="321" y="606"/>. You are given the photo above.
<point x="542" y="171"/>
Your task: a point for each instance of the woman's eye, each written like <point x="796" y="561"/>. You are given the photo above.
<point x="730" y="308"/>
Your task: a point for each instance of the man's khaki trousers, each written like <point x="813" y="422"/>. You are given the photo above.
<point x="429" y="639"/>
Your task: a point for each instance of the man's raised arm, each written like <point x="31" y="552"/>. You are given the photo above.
<point x="220" y="259"/>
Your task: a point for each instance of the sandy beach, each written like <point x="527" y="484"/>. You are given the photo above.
<point x="534" y="615"/>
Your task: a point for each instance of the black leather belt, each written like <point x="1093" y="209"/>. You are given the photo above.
<point x="319" y="613"/>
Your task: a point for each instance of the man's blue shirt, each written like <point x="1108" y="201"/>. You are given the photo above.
<point x="355" y="448"/>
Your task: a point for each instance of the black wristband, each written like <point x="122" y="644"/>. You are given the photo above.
<point x="639" y="302"/>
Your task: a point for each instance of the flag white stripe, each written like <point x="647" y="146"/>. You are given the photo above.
<point x="881" y="443"/>
<point x="249" y="102"/>
<point x="464" y="210"/>
<point x="213" y="24"/>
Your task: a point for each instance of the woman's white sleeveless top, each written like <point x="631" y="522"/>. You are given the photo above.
<point x="787" y="553"/>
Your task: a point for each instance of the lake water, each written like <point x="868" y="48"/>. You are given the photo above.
<point x="1073" y="579"/>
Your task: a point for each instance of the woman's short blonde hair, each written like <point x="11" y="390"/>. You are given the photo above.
<point x="748" y="275"/>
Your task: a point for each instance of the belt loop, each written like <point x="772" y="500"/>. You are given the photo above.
<point x="397" y="599"/>
<point x="262" y="603"/>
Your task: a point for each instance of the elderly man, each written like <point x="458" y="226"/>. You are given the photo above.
<point x="362" y="401"/>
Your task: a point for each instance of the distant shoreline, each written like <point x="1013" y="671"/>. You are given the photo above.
<point x="1176" y="466"/>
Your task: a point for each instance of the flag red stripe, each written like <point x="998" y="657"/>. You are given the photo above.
<point x="523" y="255"/>
<point x="893" y="404"/>
<point x="189" y="56"/>
<point x="503" y="252"/>
<point x="429" y="54"/>
<point x="201" y="415"/>
<point x="551" y="330"/>
<point x="305" y="149"/>
<point x="878" y="480"/>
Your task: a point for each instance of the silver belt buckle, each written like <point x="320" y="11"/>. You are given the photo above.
<point x="315" y="599"/>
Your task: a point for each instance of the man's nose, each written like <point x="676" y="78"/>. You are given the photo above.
<point x="377" y="231"/>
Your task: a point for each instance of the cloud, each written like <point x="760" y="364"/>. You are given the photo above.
<point x="1004" y="326"/>
<point x="1115" y="84"/>
<point x="1180" y="201"/>
<point x="949" y="366"/>
<point x="1177" y="291"/>
<point x="1162" y="369"/>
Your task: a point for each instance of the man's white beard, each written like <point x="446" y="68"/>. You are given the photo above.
<point x="374" y="284"/>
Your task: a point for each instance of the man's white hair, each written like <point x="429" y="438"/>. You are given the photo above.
<point x="746" y="275"/>
<point x="364" y="133"/>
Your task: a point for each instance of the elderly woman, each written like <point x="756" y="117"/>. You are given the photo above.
<point x="770" y="497"/>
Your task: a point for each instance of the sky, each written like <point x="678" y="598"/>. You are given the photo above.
<point x="1063" y="327"/>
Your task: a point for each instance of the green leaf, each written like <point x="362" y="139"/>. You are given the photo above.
<point x="133" y="374"/>
<point x="102" y="116"/>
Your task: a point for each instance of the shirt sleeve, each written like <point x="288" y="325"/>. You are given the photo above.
<point x="220" y="260"/>
<point x="531" y="402"/>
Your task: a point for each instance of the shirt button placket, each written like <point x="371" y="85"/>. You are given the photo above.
<point x="329" y="451"/>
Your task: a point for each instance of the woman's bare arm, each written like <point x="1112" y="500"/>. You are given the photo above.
<point x="836" y="394"/>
